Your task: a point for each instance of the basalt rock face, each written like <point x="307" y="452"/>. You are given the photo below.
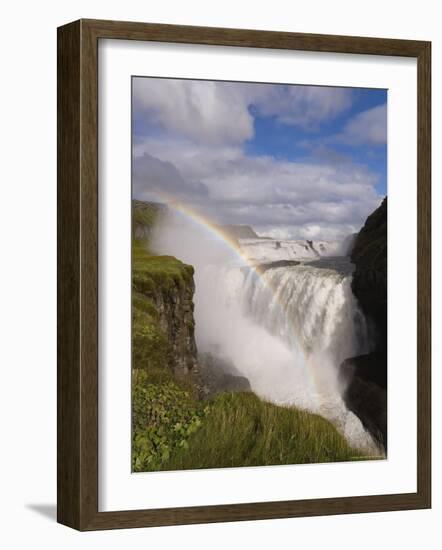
<point x="365" y="376"/>
<point x="369" y="285"/>
<point x="175" y="310"/>
<point x="366" y="392"/>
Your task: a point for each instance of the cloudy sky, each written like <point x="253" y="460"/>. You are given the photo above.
<point x="291" y="161"/>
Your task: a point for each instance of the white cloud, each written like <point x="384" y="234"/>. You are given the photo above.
<point x="219" y="112"/>
<point x="197" y="156"/>
<point x="368" y="127"/>
<point x="204" y="111"/>
<point x="278" y="198"/>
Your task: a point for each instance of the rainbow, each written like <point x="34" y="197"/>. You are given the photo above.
<point x="221" y="236"/>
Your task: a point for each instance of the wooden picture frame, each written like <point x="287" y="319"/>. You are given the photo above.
<point x="77" y="461"/>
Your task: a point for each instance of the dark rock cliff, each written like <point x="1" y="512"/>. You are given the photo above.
<point x="366" y="376"/>
<point x="364" y="395"/>
<point x="369" y="285"/>
<point x="175" y="309"/>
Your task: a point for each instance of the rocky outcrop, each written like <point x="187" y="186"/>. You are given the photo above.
<point x="366" y="392"/>
<point x="218" y="375"/>
<point x="313" y="249"/>
<point x="369" y="282"/>
<point x="175" y="310"/>
<point x="365" y="377"/>
<point x="163" y="326"/>
<point x="163" y="330"/>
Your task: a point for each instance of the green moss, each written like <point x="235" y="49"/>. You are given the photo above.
<point x="144" y="305"/>
<point x="151" y="273"/>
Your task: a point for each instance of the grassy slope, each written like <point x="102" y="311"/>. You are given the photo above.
<point x="150" y="272"/>
<point x="239" y="429"/>
<point x="173" y="430"/>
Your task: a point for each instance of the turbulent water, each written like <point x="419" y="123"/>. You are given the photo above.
<point x="311" y="309"/>
<point x="287" y="329"/>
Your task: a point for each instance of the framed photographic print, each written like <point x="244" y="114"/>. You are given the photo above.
<point x="243" y="275"/>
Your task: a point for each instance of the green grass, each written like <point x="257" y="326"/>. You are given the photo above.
<point x="151" y="273"/>
<point x="239" y="429"/>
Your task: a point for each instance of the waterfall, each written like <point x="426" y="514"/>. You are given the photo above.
<point x="287" y="330"/>
<point x="310" y="308"/>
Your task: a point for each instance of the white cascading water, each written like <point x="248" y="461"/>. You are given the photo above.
<point x="286" y="330"/>
<point x="310" y="308"/>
